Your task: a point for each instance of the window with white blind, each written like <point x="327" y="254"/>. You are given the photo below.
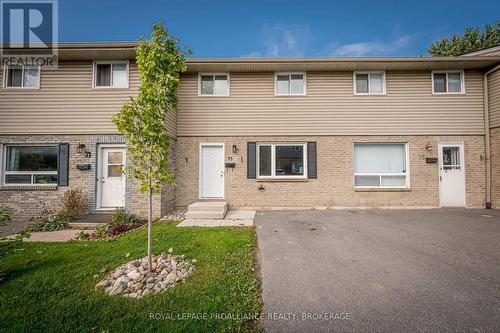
<point x="381" y="165"/>
<point x="290" y="84"/>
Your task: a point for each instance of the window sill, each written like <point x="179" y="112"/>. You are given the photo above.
<point x="382" y="189"/>
<point x="28" y="187"/>
<point x="263" y="180"/>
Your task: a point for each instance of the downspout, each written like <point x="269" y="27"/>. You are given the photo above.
<point x="487" y="144"/>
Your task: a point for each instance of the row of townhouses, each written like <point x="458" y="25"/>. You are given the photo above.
<point x="260" y="133"/>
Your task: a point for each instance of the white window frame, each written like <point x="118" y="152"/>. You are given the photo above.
<point x="407" y="162"/>
<point x="273" y="159"/>
<point x="369" y="73"/>
<point x="108" y="62"/>
<point x="462" y="82"/>
<point x="304" y="83"/>
<point x="228" y="76"/>
<point x="4" y="172"/>
<point x="6" y="74"/>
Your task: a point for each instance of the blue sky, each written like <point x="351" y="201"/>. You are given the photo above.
<point x="279" y="28"/>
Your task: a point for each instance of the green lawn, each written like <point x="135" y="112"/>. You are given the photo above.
<point x="50" y="286"/>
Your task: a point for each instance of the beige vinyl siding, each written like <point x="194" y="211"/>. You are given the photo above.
<point x="66" y="103"/>
<point x="494" y="98"/>
<point x="330" y="107"/>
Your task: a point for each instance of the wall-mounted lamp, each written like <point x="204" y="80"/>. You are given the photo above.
<point x="428" y="146"/>
<point x="80" y="148"/>
<point x="235" y="149"/>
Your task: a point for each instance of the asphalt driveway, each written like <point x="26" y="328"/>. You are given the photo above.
<point x="380" y="270"/>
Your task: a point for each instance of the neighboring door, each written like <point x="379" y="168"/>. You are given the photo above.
<point x="112" y="177"/>
<point x="451" y="175"/>
<point x="212" y="171"/>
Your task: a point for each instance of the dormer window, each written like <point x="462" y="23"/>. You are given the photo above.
<point x="111" y="74"/>
<point x="27" y="77"/>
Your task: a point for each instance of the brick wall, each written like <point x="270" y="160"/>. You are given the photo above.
<point x="28" y="203"/>
<point x="334" y="185"/>
<point x="495" y="167"/>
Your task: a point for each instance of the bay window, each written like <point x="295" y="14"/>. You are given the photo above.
<point x="381" y="165"/>
<point x="28" y="165"/>
<point x="281" y="160"/>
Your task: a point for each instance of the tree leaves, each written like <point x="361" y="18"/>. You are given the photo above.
<point x="141" y="120"/>
<point x="472" y="40"/>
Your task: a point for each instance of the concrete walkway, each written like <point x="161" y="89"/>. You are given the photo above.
<point x="52" y="236"/>
<point x="234" y="218"/>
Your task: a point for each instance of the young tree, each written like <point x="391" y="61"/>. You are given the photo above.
<point x="142" y="119"/>
<point x="472" y="40"/>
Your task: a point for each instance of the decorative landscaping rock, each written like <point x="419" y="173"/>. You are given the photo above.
<point x="174" y="216"/>
<point x="133" y="279"/>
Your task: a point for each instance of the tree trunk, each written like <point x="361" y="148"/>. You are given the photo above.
<point x="150" y="224"/>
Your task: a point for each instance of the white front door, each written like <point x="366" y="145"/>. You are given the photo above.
<point x="212" y="170"/>
<point x="451" y="175"/>
<point x="111" y="184"/>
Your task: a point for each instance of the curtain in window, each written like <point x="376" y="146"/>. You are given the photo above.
<point x="103" y="75"/>
<point x="296" y="84"/>
<point x="119" y="75"/>
<point x="207" y="85"/>
<point x="379" y="158"/>
<point x="283" y="85"/>
<point x="30" y="76"/>
<point x="362" y="83"/>
<point x="376" y="85"/>
<point x="220" y="85"/>
<point x="15" y="76"/>
<point x="440" y="82"/>
<point x="454" y="84"/>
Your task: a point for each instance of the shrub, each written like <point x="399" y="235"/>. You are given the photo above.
<point x="121" y="216"/>
<point x="102" y="231"/>
<point x="5" y="215"/>
<point x="121" y="228"/>
<point x="73" y="203"/>
<point x="81" y="235"/>
<point x="54" y="221"/>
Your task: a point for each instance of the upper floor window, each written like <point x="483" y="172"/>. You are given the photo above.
<point x="111" y="74"/>
<point x="369" y="83"/>
<point x="27" y="77"/>
<point x="213" y="84"/>
<point x="448" y="82"/>
<point x="26" y="165"/>
<point x="290" y="84"/>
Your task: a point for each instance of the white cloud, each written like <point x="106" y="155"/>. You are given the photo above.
<point x="371" y="48"/>
<point x="281" y="40"/>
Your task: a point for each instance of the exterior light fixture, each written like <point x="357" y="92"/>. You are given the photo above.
<point x="235" y="149"/>
<point x="80" y="148"/>
<point x="428" y="146"/>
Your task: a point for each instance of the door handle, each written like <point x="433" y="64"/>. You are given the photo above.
<point x="440" y="178"/>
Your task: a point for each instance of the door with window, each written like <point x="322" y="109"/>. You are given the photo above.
<point x="111" y="181"/>
<point x="451" y="175"/>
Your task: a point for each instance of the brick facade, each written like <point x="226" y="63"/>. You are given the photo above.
<point x="27" y="203"/>
<point x="334" y="185"/>
<point x="495" y="167"/>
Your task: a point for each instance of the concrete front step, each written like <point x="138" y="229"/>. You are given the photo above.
<point x="205" y="206"/>
<point x="211" y="210"/>
<point x="210" y="215"/>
